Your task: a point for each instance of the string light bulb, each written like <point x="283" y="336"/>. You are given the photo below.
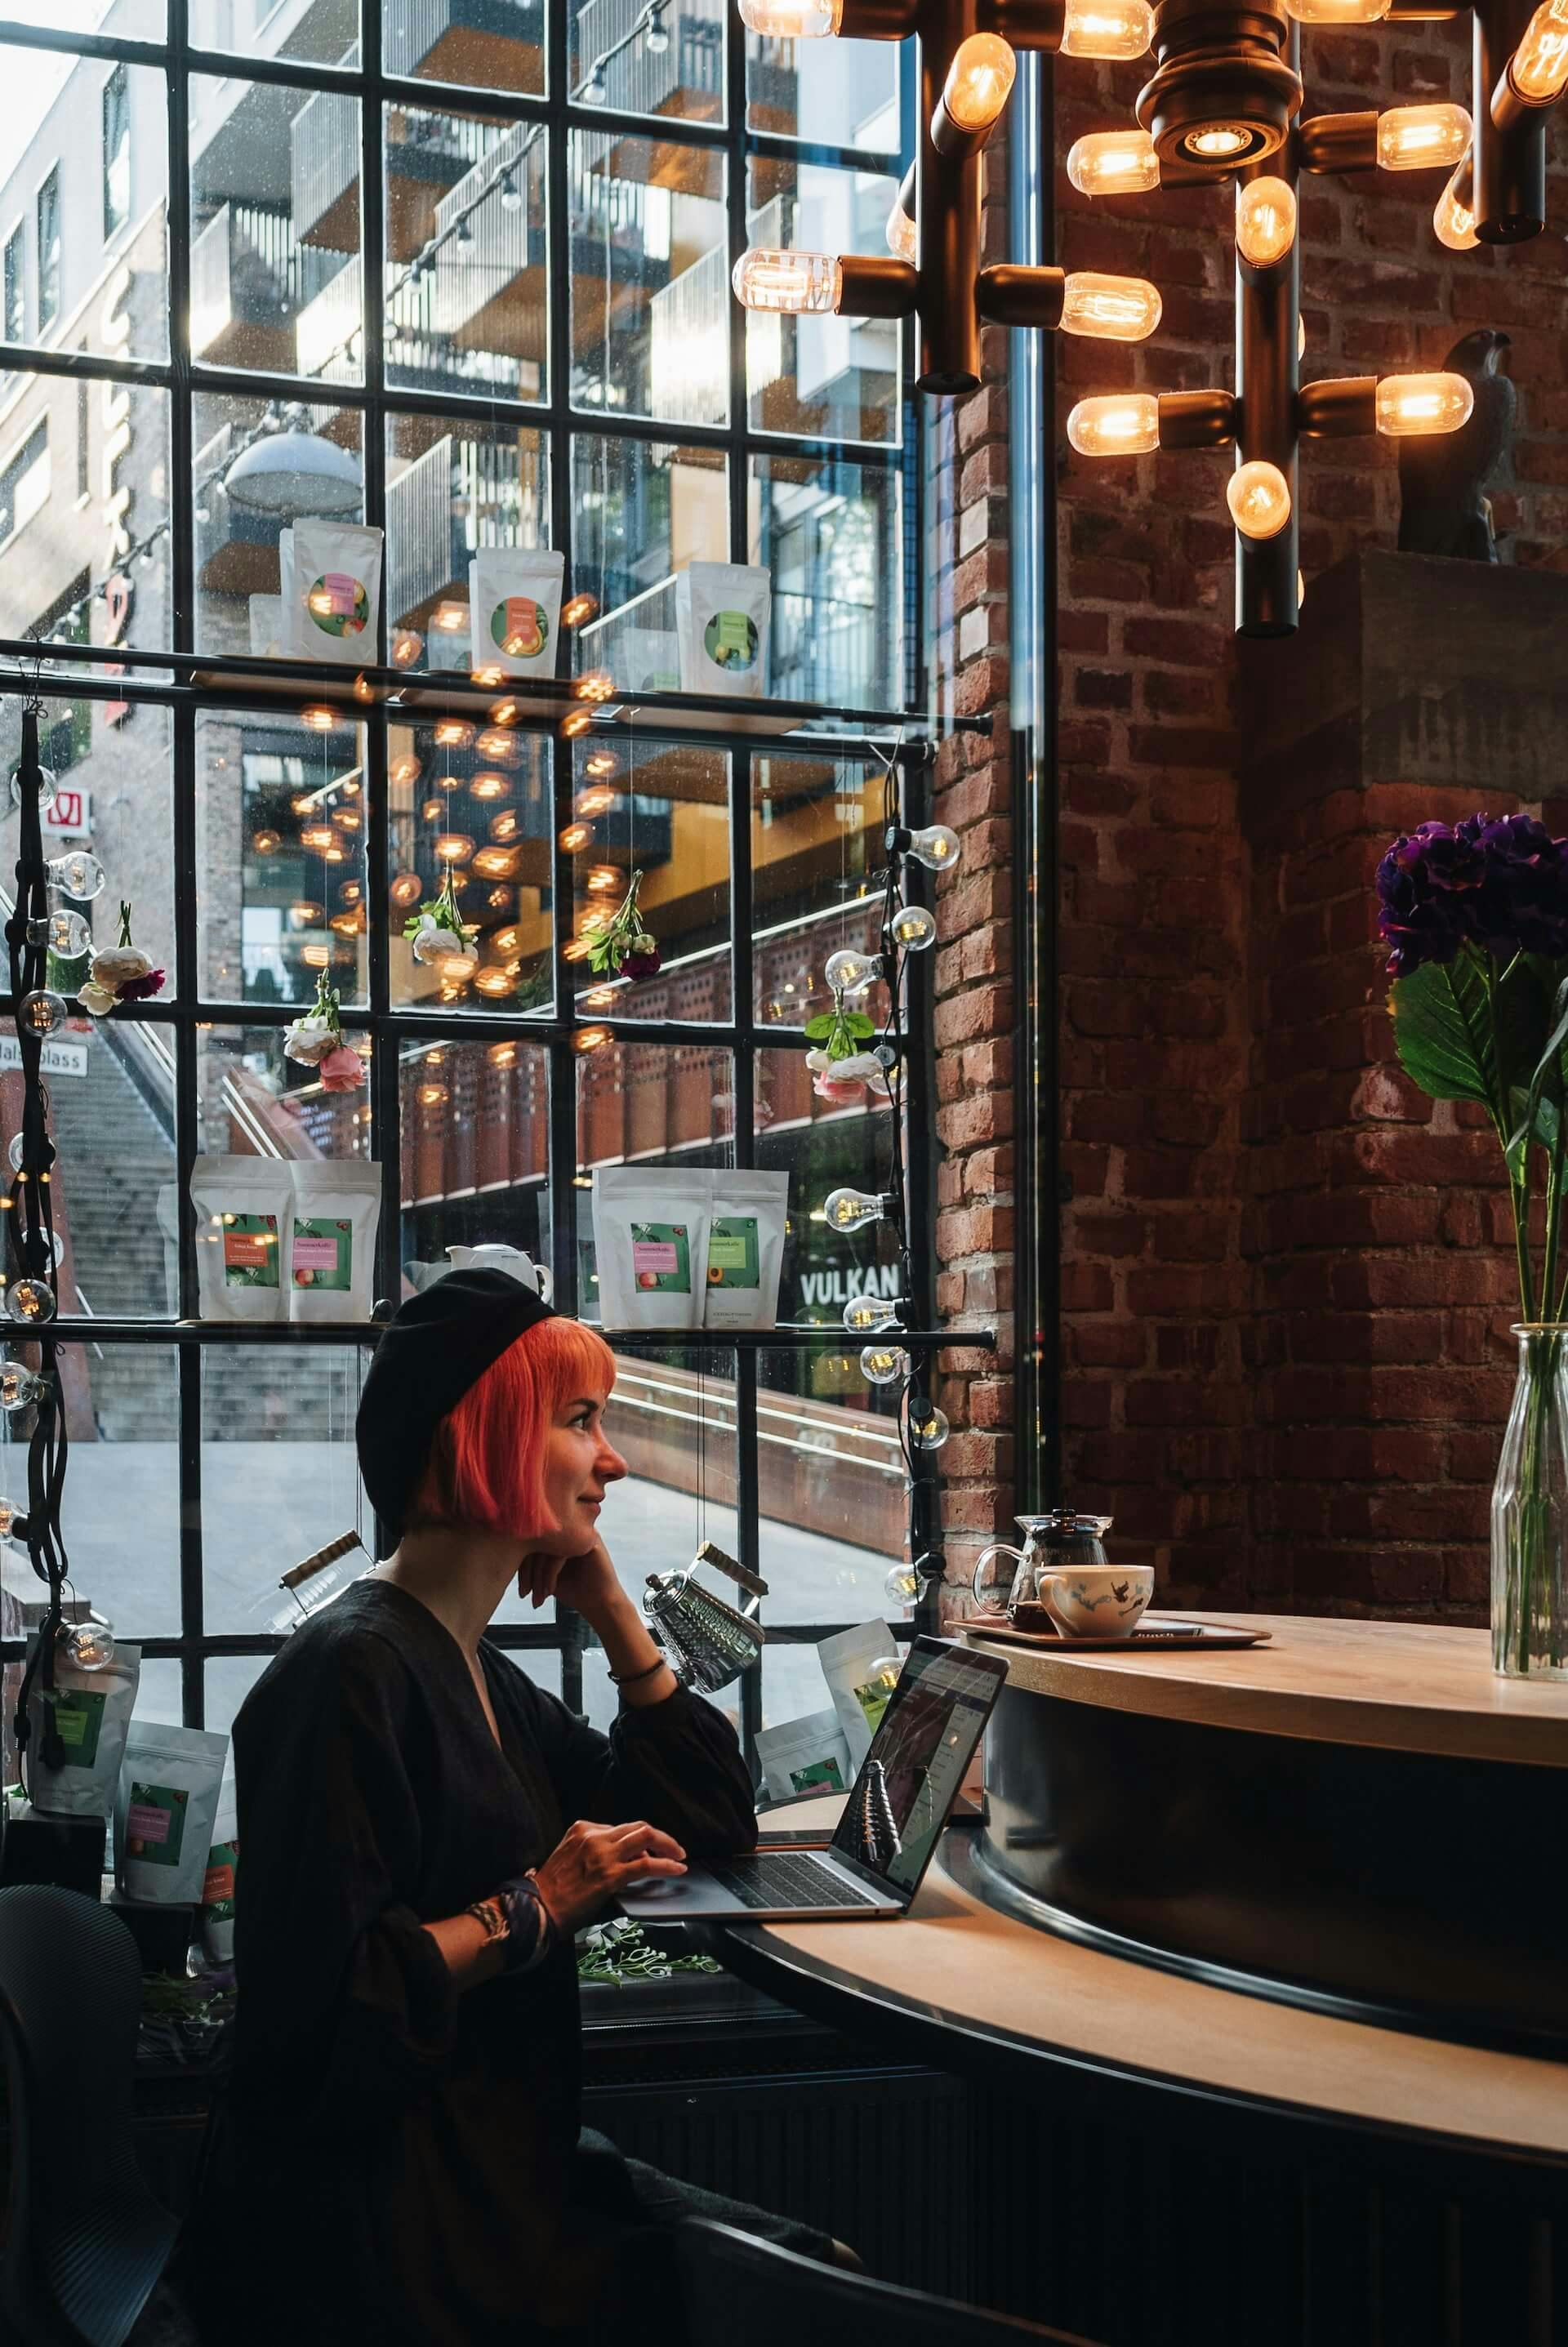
<point x="1107" y="28"/>
<point x="867" y="1316"/>
<point x="90" y="1645"/>
<point x="980" y="81"/>
<point x="9" y="1512"/>
<point x="794" y="285"/>
<point x="902" y="1586"/>
<point x="852" y="1210"/>
<point x="1117" y="423"/>
<point x="1113" y="163"/>
<point x="928" y="1427"/>
<point x="1538" y="68"/>
<point x="20" y="1387"/>
<point x="42" y="1013"/>
<point x="1422" y="138"/>
<point x="937" y="847"/>
<point x="1412" y="403"/>
<point x="68" y="935"/>
<point x="1265" y="222"/>
<point x="1111" y="309"/>
<point x="47" y="787"/>
<point x="77" y="873"/>
<point x="913" y="929"/>
<point x="1338" y="12"/>
<point x="848" y="970"/>
<point x="30" y="1301"/>
<point x="884" y="1364"/>
<point x="793" y="20"/>
<point x="1258" y="495"/>
<point x="1454" y="218"/>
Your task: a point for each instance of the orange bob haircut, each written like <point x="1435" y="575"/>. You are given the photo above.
<point x="486" y="1462"/>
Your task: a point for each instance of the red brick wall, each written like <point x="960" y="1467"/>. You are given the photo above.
<point x="1264" y="1223"/>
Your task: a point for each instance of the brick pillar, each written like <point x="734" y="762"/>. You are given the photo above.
<point x="1378" y="1227"/>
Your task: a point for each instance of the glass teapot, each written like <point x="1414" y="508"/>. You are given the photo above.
<point x="1006" y="1577"/>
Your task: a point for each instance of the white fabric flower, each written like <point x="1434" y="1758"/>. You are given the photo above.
<point x="308" y="1039"/>
<point x="818" y="1062"/>
<point x="120" y="963"/>
<point x="860" y="1068"/>
<point x="97" y="1001"/>
<point x="430" y="940"/>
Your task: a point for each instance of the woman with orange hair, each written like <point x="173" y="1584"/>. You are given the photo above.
<point x="424" y="1830"/>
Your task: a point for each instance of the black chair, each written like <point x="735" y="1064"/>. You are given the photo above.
<point x="736" y="2286"/>
<point x="86" y="2241"/>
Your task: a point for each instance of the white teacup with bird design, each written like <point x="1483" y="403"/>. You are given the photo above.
<point x="1096" y="1601"/>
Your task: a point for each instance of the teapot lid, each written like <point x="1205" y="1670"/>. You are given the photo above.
<point x="1068" y="1523"/>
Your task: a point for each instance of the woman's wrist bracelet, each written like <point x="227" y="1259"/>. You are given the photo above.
<point x="529" y="1925"/>
<point x="630" y="1678"/>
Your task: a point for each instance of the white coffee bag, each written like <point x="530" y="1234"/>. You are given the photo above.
<point x="746" y="1216"/>
<point x="243" y="1208"/>
<point x="170" y="1781"/>
<point x="332" y="1238"/>
<point x="92" y="1711"/>
<point x="650" y="1243"/>
<point x="514" y="606"/>
<point x="861" y="1667"/>
<point x="804" y="1756"/>
<point x="723" y="612"/>
<point x="336" y="591"/>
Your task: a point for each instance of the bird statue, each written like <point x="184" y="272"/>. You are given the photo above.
<point x="1443" y="508"/>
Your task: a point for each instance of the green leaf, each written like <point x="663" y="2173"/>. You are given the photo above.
<point x="1544" y="1096"/>
<point x="857" y="1023"/>
<point x="818" y="1029"/>
<point x="1442" y="1032"/>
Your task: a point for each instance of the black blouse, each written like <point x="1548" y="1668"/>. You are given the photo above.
<point x="422" y="2143"/>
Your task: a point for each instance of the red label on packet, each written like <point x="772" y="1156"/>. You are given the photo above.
<point x="217" y="1883"/>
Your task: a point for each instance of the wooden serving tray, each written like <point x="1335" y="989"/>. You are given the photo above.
<point x="1152" y="1630"/>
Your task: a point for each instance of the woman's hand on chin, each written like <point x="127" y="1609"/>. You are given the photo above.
<point x="587" y="1583"/>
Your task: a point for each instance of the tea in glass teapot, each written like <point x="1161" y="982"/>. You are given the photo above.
<point x="1007" y="1577"/>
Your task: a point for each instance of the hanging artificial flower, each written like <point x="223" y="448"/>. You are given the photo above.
<point x="618" y="942"/>
<point x="437" y="931"/>
<point x="123" y="974"/>
<point x="315" y="1041"/>
<point x="840" y="1067"/>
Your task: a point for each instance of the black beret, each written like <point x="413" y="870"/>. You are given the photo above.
<point x="433" y="1348"/>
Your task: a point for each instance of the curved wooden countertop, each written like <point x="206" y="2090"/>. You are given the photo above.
<point x="1404" y="1686"/>
<point x="993" y="1984"/>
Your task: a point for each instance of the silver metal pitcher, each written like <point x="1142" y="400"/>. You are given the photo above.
<point x="709" y="1642"/>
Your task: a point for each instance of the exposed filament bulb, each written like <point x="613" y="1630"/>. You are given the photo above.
<point x="1119" y="423"/>
<point x="1258" y="495"/>
<point x="1113" y="163"/>
<point x="1539" y="69"/>
<point x="1453" y="218"/>
<point x="1422" y="138"/>
<point x="793" y="20"/>
<point x="1107" y="28"/>
<point x="1114" y="309"/>
<point x="799" y="284"/>
<point x="1412" y="403"/>
<point x="980" y="81"/>
<point x="1265" y="222"/>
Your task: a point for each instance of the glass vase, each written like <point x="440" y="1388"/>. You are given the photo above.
<point x="1529" y="1514"/>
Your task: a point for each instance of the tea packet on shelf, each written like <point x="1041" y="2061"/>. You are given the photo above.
<point x="243" y="1207"/>
<point x="92" y="1711"/>
<point x="723" y="612"/>
<point x="746" y="1217"/>
<point x="651" y="1245"/>
<point x="336" y="591"/>
<point x="861" y="1667"/>
<point x="336" y="1211"/>
<point x="170" y="1780"/>
<point x="514" y="604"/>
<point x="804" y="1756"/>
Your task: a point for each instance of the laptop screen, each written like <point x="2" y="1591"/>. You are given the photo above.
<point x="918" y="1758"/>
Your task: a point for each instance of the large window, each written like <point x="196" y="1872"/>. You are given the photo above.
<point x="462" y="272"/>
<point x="15" y="284"/>
<point x="116" y="151"/>
<point x="24" y="483"/>
<point x="49" y="251"/>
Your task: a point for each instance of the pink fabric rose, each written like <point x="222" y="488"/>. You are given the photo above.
<point x="341" y="1071"/>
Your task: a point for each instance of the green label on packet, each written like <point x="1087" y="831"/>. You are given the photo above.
<point x="817" y="1772"/>
<point x="733" y="1256"/>
<point x="154" y="1823"/>
<point x="323" y="1253"/>
<point x="78" y="1716"/>
<point x="661" y="1258"/>
<point x="873" y="1698"/>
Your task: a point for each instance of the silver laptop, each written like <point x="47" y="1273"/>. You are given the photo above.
<point x="897" y="1808"/>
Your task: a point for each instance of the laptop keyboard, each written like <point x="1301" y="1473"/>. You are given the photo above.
<point x="780" y="1879"/>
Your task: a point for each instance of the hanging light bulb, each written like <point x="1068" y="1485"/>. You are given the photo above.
<point x="1112" y="309"/>
<point x="793" y="20"/>
<point x="1119" y="424"/>
<point x="77" y="873"/>
<point x="42" y="1012"/>
<point x="511" y="194"/>
<point x="266" y="842"/>
<point x="1338" y="12"/>
<point x="90" y="1645"/>
<point x="595" y="90"/>
<point x="1412" y="403"/>
<point x="68" y="935"/>
<point x="867" y="1316"/>
<point x="1107" y="28"/>
<point x="47" y="787"/>
<point x="592" y="1038"/>
<point x="902" y="1586"/>
<point x="797" y="285"/>
<point x="20" y="1387"/>
<point x="1422" y="138"/>
<point x="1453" y="218"/>
<point x="1113" y="163"/>
<point x="16" y="1152"/>
<point x="928" y="1427"/>
<point x="1265" y="222"/>
<point x="912" y="929"/>
<point x="656" y="38"/>
<point x="884" y="1364"/>
<point x="937" y="847"/>
<point x="1258" y="495"/>
<point x="9" y="1512"/>
<point x="30" y="1301"/>
<point x="980" y="81"/>
<point x="1539" y="68"/>
<point x="851" y="1210"/>
<point x="849" y="970"/>
<point x="463" y="237"/>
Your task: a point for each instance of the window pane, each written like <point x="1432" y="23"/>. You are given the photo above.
<point x="642" y="509"/>
<point x="825" y="1145"/>
<point x="278" y="1474"/>
<point x="662" y="812"/>
<point x="831" y="1477"/>
<point x="824" y="377"/>
<point x="486" y="43"/>
<point x="120" y="1509"/>
<point x="831" y="533"/>
<point x="817" y="827"/>
<point x="324" y="34"/>
<point x="471" y="823"/>
<point x="836" y="93"/>
<point x="651" y="279"/>
<point x="663" y="1104"/>
<point x="466" y="269"/>
<point x="252" y="1101"/>
<point x="281" y="855"/>
<point x="275" y="232"/>
<point x="116" y="127"/>
<point x="668" y="59"/>
<point x="476" y="1152"/>
<point x="244" y="500"/>
<point x="95" y="572"/>
<point x="140" y="20"/>
<point x="453" y="484"/>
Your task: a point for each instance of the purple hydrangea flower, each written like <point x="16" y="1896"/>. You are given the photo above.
<point x="1425" y="882"/>
<point x="1497" y="882"/>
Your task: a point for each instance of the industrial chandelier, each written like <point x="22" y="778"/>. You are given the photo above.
<point x="1223" y="102"/>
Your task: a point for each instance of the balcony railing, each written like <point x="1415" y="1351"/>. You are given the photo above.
<point x="689" y="358"/>
<point x="248" y="282"/>
<point x="483" y="44"/>
<point x="687" y="78"/>
<point x="328" y="330"/>
<point x="459" y="495"/>
<point x="426" y="154"/>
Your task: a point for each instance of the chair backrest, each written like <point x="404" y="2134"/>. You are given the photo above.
<point x="736" y="2286"/>
<point x="86" y="2239"/>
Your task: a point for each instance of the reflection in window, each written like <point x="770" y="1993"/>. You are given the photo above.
<point x="25" y="482"/>
<point x="246" y="496"/>
<point x="252" y="1101"/>
<point x="642" y="509"/>
<point x="817" y="826"/>
<point x="116" y="151"/>
<point x="663" y="813"/>
<point x="839" y="93"/>
<point x="465" y="265"/>
<point x="475" y="1151"/>
<point x="651" y="56"/>
<point x="651" y="279"/>
<point x="15" y="288"/>
<point x="830" y="531"/>
<point x="822" y="377"/>
<point x="454" y="485"/>
<point x="49" y="250"/>
<point x="471" y="819"/>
